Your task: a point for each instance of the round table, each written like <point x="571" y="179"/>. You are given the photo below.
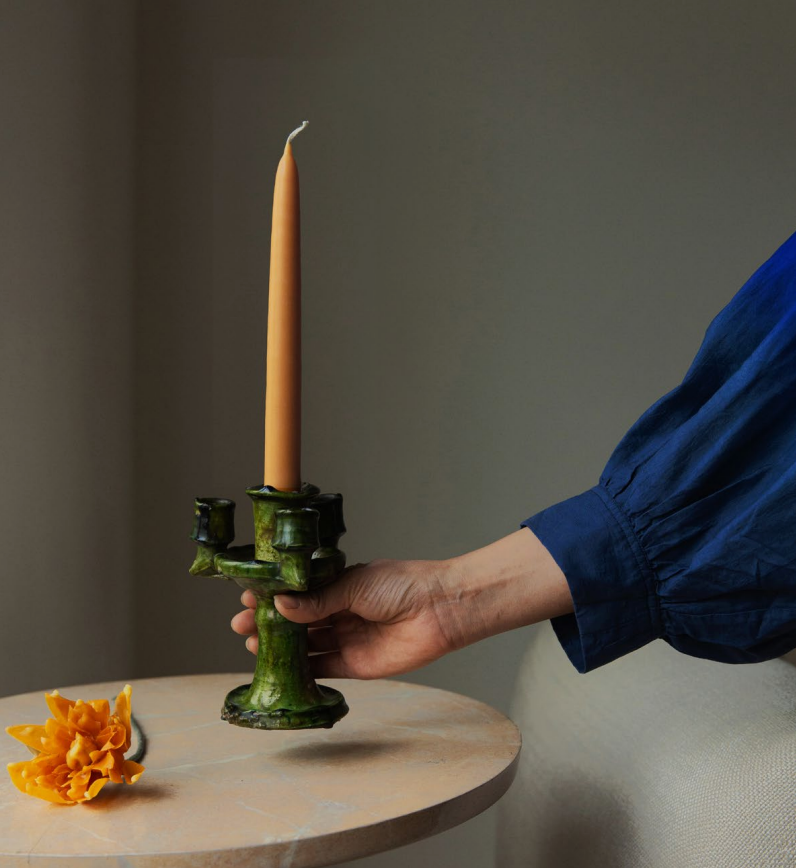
<point x="407" y="762"/>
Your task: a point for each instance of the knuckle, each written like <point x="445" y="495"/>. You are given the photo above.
<point x="314" y="600"/>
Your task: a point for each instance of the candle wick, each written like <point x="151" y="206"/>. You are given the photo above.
<point x="296" y="132"/>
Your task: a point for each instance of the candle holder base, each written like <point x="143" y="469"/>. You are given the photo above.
<point x="241" y="711"/>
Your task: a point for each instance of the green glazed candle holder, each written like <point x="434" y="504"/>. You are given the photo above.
<point x="295" y="549"/>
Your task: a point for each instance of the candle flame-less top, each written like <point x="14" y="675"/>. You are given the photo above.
<point x="283" y="374"/>
<point x="304" y="125"/>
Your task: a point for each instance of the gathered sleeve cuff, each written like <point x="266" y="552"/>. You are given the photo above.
<point x="616" y="609"/>
<point x="689" y="534"/>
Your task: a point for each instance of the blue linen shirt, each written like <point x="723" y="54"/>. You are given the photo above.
<point x="690" y="535"/>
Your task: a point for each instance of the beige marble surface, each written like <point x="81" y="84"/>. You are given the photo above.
<point x="407" y="762"/>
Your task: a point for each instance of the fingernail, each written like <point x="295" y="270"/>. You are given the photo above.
<point x="287" y="601"/>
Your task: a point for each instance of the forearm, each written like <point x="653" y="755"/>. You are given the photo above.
<point x="511" y="583"/>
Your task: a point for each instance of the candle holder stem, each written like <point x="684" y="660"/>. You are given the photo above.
<point x="278" y="642"/>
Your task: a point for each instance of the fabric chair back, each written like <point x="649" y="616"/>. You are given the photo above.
<point x="657" y="760"/>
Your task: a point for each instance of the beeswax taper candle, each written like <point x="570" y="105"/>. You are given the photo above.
<point x="283" y="360"/>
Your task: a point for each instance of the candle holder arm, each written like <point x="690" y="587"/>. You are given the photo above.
<point x="213" y="531"/>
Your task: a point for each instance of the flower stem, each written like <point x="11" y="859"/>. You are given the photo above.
<point x="141" y="737"/>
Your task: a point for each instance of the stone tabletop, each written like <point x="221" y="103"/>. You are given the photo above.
<point x="407" y="762"/>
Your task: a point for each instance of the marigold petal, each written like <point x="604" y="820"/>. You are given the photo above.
<point x="113" y="737"/>
<point x="102" y="761"/>
<point x="102" y="708"/>
<point x="48" y="795"/>
<point x="78" y="756"/>
<point x="122" y="710"/>
<point x="84" y="719"/>
<point x="57" y="739"/>
<point x="132" y="771"/>
<point x="30" y="734"/>
<point x="95" y="788"/>
<point x="59" y="706"/>
<point x="114" y="766"/>
<point x="78" y="786"/>
<point x="57" y="728"/>
<point x="15" y="771"/>
<point x="52" y="782"/>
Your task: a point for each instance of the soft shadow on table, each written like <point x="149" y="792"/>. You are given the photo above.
<point x="343" y="752"/>
<point x="121" y="794"/>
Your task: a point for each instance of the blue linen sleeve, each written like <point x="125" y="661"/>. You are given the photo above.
<point x="690" y="535"/>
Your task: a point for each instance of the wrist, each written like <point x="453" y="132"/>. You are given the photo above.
<point x="511" y="583"/>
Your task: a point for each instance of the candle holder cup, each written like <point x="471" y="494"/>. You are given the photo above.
<point x="295" y="549"/>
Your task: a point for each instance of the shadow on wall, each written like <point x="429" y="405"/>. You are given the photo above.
<point x="67" y="94"/>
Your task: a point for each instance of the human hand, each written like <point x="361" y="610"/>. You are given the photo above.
<point x="376" y="619"/>
<point x="388" y="617"/>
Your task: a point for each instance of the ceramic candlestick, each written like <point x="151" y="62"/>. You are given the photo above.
<point x="295" y="549"/>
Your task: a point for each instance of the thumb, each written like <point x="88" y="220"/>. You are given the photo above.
<point x="309" y="606"/>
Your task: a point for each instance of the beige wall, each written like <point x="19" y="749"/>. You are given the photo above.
<point x="66" y="292"/>
<point x="518" y="220"/>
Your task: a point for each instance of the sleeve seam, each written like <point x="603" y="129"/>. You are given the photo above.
<point x="639" y="555"/>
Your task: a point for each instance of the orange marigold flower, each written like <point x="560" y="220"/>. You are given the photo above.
<point x="78" y="750"/>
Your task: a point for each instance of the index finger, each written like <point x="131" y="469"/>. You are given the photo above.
<point x="250" y="601"/>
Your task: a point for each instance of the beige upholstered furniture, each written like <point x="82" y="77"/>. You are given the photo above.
<point x="657" y="760"/>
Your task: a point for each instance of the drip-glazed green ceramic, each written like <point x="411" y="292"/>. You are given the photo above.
<point x="295" y="549"/>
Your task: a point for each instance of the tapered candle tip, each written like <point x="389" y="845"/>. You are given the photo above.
<point x="296" y="132"/>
